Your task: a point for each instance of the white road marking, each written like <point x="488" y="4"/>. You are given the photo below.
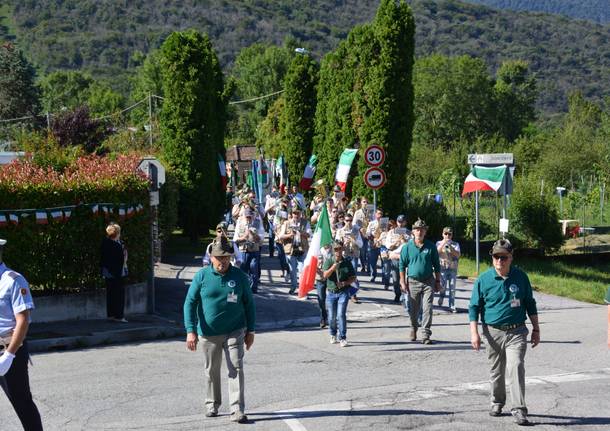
<point x="293" y="415"/>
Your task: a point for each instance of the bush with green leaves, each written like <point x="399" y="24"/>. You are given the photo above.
<point x="433" y="213"/>
<point x="534" y="217"/>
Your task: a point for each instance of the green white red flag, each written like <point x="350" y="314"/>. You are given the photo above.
<point x="345" y="164"/>
<point x="483" y="178"/>
<point x="310" y="171"/>
<point x="322" y="237"/>
<point x="223" y="171"/>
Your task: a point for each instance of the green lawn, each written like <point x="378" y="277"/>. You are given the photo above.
<point x="580" y="282"/>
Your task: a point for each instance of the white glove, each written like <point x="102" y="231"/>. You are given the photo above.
<point x="6" y="360"/>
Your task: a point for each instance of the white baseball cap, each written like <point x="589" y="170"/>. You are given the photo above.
<point x="2" y="241"/>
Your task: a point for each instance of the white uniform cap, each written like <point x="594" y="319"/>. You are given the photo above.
<point x="2" y="242"/>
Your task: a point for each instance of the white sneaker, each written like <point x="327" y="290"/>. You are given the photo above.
<point x="333" y="339"/>
<point x="287" y="278"/>
<point x="343" y="343"/>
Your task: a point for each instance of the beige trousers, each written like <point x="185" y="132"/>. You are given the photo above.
<point x="233" y="346"/>
<point x="506" y="354"/>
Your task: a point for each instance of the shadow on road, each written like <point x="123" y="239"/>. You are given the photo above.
<point x="569" y="420"/>
<point x="274" y="416"/>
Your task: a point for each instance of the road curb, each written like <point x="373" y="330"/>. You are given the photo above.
<point x="104" y="338"/>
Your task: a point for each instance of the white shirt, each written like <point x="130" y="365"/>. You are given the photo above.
<point x="15" y="297"/>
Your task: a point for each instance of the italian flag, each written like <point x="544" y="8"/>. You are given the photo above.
<point x="223" y="171"/>
<point x="345" y="163"/>
<point x="322" y="237"/>
<point x="485" y="178"/>
<point x="310" y="171"/>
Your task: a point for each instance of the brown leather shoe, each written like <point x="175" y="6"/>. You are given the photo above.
<point x="413" y="334"/>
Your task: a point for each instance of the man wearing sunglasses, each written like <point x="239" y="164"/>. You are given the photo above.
<point x="502" y="296"/>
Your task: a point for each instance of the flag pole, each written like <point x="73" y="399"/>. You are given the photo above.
<point x="476" y="229"/>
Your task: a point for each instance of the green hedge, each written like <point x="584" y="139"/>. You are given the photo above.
<point x="63" y="255"/>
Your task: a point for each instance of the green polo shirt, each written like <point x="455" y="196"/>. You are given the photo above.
<point x="208" y="309"/>
<point x="492" y="295"/>
<point x="420" y="262"/>
<point x="345" y="270"/>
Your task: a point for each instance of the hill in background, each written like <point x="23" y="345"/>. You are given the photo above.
<point x="110" y="38"/>
<point x="593" y="10"/>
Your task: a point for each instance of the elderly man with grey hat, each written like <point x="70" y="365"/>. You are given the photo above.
<point x="502" y="297"/>
<point x="219" y="312"/>
<point x="15" y="305"/>
<point x="420" y="272"/>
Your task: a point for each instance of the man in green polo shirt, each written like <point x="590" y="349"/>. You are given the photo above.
<point x="502" y="296"/>
<point x="419" y="260"/>
<point x="219" y="312"/>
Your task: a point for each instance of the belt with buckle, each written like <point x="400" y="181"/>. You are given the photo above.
<point x="507" y="327"/>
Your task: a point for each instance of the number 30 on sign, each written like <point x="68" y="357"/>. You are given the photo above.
<point x="374" y="156"/>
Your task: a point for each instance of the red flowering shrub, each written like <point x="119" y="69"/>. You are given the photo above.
<point x="63" y="255"/>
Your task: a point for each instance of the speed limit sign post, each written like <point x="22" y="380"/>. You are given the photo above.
<point x="374" y="156"/>
<point x="374" y="177"/>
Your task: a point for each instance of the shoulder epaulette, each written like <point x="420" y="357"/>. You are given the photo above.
<point x="14" y="275"/>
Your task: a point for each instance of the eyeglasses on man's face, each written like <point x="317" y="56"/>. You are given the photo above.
<point x="500" y="257"/>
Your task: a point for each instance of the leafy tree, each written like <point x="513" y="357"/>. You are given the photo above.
<point x="259" y="70"/>
<point x="453" y="99"/>
<point x="297" y="120"/>
<point x="366" y="97"/>
<point x="192" y="126"/>
<point x="68" y="90"/>
<point x="268" y="136"/>
<point x="18" y="93"/>
<point x="77" y="128"/>
<point x="574" y="149"/>
<point x="148" y="80"/>
<point x="515" y="96"/>
<point x="65" y="90"/>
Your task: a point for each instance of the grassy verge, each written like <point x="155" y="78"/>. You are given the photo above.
<point x="586" y="283"/>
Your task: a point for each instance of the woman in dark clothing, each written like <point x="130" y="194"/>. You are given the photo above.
<point x="114" y="269"/>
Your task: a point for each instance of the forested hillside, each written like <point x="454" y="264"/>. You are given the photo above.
<point x="594" y="10"/>
<point x="108" y="38"/>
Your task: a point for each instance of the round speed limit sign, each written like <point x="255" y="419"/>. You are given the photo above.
<point x="374" y="156"/>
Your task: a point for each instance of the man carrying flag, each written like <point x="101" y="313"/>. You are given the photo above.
<point x="322" y="237"/>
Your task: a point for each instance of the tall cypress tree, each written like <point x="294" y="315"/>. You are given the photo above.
<point x="297" y="120"/>
<point x="192" y="126"/>
<point x="366" y="97"/>
<point x="18" y="93"/>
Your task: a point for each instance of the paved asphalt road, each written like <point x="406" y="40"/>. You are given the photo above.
<point x="296" y="380"/>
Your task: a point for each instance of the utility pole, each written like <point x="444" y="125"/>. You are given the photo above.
<point x="150" y="127"/>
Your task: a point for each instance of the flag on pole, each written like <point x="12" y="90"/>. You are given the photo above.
<point x="223" y="171"/>
<point x="310" y="171"/>
<point x="14" y="218"/>
<point x="280" y="169"/>
<point x="483" y="178"/>
<point x="345" y="163"/>
<point x="322" y="237"/>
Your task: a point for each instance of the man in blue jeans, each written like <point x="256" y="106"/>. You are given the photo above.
<point x="339" y="274"/>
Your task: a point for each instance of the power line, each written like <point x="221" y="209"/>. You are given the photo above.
<point x="255" y="98"/>
<point x="124" y="110"/>
<point x="16" y="119"/>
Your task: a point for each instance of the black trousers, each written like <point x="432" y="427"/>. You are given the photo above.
<point x="16" y="385"/>
<point x="115" y="297"/>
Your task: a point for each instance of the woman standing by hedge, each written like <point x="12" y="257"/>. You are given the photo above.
<point x="114" y="269"/>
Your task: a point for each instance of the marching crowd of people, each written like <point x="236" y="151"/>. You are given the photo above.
<point x="370" y="241"/>
<point x="220" y="308"/>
